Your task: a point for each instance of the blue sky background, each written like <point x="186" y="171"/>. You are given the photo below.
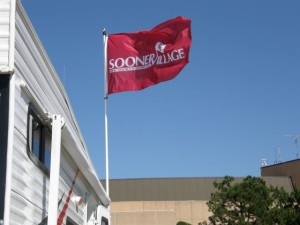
<point x="229" y="108"/>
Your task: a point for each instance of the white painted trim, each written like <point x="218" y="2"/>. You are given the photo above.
<point x="85" y="219"/>
<point x="12" y="35"/>
<point x="34" y="100"/>
<point x="57" y="123"/>
<point x="10" y="136"/>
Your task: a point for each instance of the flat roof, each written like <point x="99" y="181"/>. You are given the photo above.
<point x="176" y="189"/>
<point x="294" y="162"/>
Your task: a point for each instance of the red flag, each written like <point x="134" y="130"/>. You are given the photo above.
<point x="141" y="59"/>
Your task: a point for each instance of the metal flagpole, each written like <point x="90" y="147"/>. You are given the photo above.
<point x="105" y="108"/>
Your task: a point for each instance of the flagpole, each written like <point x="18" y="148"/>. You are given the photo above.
<point x="105" y="109"/>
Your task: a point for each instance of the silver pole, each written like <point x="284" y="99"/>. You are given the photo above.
<point x="105" y="109"/>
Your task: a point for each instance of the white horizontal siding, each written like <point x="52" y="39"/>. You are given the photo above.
<point x="4" y="32"/>
<point x="30" y="185"/>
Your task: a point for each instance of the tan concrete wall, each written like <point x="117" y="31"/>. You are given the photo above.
<point x="143" y="218"/>
<point x="158" y="212"/>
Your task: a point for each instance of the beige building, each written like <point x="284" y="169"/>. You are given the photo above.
<point x="166" y="201"/>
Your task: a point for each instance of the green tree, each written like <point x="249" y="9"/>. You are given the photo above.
<point x="182" y="223"/>
<point x="252" y="202"/>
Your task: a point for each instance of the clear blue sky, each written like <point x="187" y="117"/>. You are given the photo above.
<point x="230" y="107"/>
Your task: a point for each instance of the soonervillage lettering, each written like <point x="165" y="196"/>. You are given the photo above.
<point x="139" y="63"/>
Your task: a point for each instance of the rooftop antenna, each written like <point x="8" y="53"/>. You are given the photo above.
<point x="295" y="140"/>
<point x="264" y="162"/>
<point x="277" y="154"/>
